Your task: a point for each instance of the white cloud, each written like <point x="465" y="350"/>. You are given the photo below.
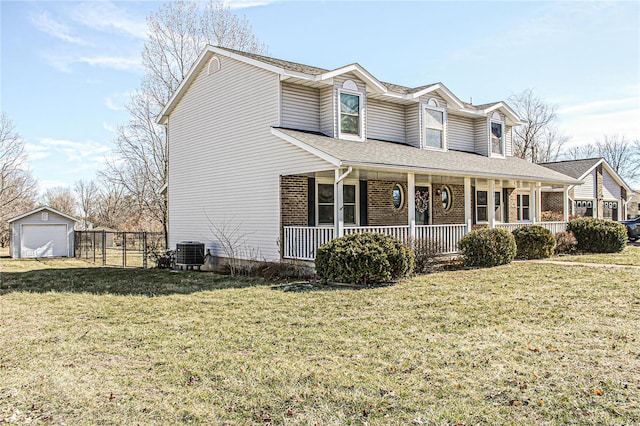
<point x="116" y="101"/>
<point x="591" y="120"/>
<point x="243" y="4"/>
<point x="106" y="16"/>
<point x="120" y="63"/>
<point x="51" y="183"/>
<point x="108" y="127"/>
<point x="73" y="151"/>
<point x="48" y="25"/>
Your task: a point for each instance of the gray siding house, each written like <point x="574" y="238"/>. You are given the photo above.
<point x="281" y="157"/>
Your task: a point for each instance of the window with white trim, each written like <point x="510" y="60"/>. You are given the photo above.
<point x="584" y="208"/>
<point x="350" y="113"/>
<point x="497" y="134"/>
<point x="610" y="210"/>
<point x="434" y="119"/>
<point x="325" y="203"/>
<point x="44" y="216"/>
<point x="497" y="197"/>
<point x="524" y="201"/>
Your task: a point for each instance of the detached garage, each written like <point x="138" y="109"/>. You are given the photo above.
<point x="43" y="232"/>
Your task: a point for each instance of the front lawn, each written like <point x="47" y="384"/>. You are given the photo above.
<point x="520" y="344"/>
<point x="629" y="256"/>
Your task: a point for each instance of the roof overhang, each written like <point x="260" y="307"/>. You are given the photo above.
<point x="39" y="209"/>
<point x="512" y="118"/>
<point x="611" y="172"/>
<point x="372" y="82"/>
<point x="442" y="90"/>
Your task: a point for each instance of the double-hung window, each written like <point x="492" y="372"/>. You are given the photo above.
<point x="434" y="125"/>
<point x="350" y="115"/>
<point x="326" y="203"/>
<point x="523" y="206"/>
<point x="497" y="135"/>
<point x="481" y="206"/>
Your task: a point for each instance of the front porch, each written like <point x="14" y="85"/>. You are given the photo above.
<point x="407" y="206"/>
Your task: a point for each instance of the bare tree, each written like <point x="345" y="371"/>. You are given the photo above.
<point x="17" y="185"/>
<point x="61" y="198"/>
<point x="622" y="154"/>
<point x="539" y="139"/>
<point x="86" y="192"/>
<point x="177" y="33"/>
<point x="113" y="207"/>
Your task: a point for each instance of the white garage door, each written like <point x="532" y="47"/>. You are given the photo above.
<point x="44" y="241"/>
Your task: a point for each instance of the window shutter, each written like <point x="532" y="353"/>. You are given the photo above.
<point x="473" y="204"/>
<point x="363" y="203"/>
<point x="311" y="201"/>
<point x="505" y="201"/>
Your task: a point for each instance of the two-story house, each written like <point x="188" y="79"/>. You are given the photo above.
<point x="283" y="157"/>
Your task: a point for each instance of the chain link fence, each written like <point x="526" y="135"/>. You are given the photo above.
<point x="121" y="249"/>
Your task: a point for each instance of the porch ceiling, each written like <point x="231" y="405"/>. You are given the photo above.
<point x="379" y="155"/>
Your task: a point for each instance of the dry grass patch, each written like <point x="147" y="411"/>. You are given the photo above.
<point x="520" y="344"/>
<point x="629" y="256"/>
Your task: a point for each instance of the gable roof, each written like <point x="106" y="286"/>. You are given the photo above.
<point x="394" y="156"/>
<point x="579" y="169"/>
<point x="289" y="69"/>
<point x="39" y="209"/>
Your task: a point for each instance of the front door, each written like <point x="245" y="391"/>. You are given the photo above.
<point x="423" y="205"/>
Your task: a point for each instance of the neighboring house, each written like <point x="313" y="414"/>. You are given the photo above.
<point x="633" y="209"/>
<point x="603" y="193"/>
<point x="269" y="159"/>
<point x="43" y="232"/>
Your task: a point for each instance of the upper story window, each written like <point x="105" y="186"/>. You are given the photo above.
<point x="497" y="134"/>
<point x="350" y="109"/>
<point x="434" y="121"/>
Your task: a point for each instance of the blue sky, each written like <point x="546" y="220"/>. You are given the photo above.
<point x="67" y="67"/>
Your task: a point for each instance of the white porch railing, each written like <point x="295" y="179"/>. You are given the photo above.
<point x="301" y="242"/>
<point x="554" y="227"/>
<point x="446" y="236"/>
<point x="398" y="232"/>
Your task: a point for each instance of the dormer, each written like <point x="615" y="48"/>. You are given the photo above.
<point x="350" y="109"/>
<point x="497" y="135"/>
<point x="434" y="124"/>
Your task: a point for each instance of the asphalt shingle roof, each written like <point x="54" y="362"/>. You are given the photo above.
<point x="372" y="153"/>
<point x="573" y="168"/>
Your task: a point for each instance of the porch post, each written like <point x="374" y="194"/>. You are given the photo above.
<point x="338" y="207"/>
<point x="565" y="209"/>
<point x="467" y="203"/>
<point x="539" y="201"/>
<point x="492" y="203"/>
<point x="411" y="204"/>
<point x="534" y="204"/>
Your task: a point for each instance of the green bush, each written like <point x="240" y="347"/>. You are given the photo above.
<point x="598" y="235"/>
<point x="534" y="242"/>
<point x="365" y="258"/>
<point x="487" y="247"/>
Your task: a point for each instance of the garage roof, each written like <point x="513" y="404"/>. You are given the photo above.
<point x="39" y="209"/>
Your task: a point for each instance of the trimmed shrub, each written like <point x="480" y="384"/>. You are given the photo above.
<point x="366" y="258"/>
<point x="566" y="243"/>
<point x="598" y="235"/>
<point x="487" y="247"/>
<point x="534" y="242"/>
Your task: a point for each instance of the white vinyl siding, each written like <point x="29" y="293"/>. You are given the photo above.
<point x="588" y="189"/>
<point x="460" y="133"/>
<point x="413" y="125"/>
<point x="481" y="136"/>
<point x="610" y="188"/>
<point x="224" y="163"/>
<point x="327" y="122"/>
<point x="300" y="107"/>
<point x="386" y="121"/>
<point x="508" y="140"/>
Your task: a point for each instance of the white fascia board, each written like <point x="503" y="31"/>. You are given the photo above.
<point x="320" y="154"/>
<point x="359" y="71"/>
<point x="452" y="173"/>
<point x="39" y="209"/>
<point x="585" y="174"/>
<point x="446" y="93"/>
<point x="512" y="117"/>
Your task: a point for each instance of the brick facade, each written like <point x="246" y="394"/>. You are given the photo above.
<point x="380" y="209"/>
<point x="553" y="201"/>
<point x="455" y="214"/>
<point x="294" y="208"/>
